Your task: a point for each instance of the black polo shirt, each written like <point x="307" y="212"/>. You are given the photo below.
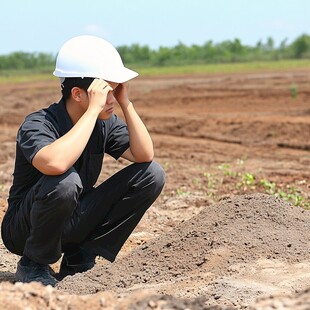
<point x="43" y="127"/>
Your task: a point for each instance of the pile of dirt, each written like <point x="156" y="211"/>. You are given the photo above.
<point x="224" y="253"/>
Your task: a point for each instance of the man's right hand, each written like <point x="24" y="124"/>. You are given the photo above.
<point x="97" y="94"/>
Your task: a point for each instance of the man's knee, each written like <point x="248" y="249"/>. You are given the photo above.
<point x="62" y="191"/>
<point x="158" y="175"/>
<point x="70" y="187"/>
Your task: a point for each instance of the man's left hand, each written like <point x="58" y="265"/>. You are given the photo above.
<point x="121" y="94"/>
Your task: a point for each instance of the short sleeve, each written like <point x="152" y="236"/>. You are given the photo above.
<point x="33" y="135"/>
<point x="117" y="137"/>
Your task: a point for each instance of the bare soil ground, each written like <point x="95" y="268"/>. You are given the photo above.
<point x="216" y="238"/>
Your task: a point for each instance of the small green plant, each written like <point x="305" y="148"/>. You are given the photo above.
<point x="181" y="191"/>
<point x="240" y="162"/>
<point x="270" y="187"/>
<point x="226" y="169"/>
<point x="210" y="180"/>
<point x="293" y="194"/>
<point x="196" y="183"/>
<point x="166" y="166"/>
<point x="247" y="181"/>
<point x="294" y="91"/>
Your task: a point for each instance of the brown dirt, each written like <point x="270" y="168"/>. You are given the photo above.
<point x="214" y="239"/>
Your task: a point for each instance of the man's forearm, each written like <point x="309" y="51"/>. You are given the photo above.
<point x="60" y="155"/>
<point x="141" y="145"/>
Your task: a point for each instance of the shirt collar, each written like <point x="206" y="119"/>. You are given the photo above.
<point x="64" y="120"/>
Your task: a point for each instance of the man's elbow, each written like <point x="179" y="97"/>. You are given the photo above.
<point x="51" y="168"/>
<point x="55" y="170"/>
<point x="145" y="158"/>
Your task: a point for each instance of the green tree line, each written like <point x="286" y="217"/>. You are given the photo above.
<point x="181" y="54"/>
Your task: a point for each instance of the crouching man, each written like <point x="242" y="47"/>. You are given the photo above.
<point x="53" y="206"/>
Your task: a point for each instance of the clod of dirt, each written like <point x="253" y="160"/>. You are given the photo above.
<point x="229" y="250"/>
<point x="297" y="301"/>
<point x="36" y="296"/>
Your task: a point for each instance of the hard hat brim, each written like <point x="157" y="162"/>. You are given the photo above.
<point x="121" y="76"/>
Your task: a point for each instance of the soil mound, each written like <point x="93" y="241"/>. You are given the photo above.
<point x="229" y="250"/>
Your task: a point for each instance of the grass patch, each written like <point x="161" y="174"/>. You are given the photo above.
<point x="226" y="179"/>
<point x="22" y="76"/>
<point x="26" y="78"/>
<point x="225" y="68"/>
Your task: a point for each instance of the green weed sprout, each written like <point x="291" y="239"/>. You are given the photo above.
<point x="294" y="91"/>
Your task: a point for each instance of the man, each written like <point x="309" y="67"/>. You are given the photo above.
<point x="53" y="206"/>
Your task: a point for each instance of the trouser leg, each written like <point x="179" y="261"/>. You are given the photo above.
<point x="37" y="223"/>
<point x="107" y="215"/>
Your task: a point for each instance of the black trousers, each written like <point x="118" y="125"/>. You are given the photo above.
<point x="55" y="215"/>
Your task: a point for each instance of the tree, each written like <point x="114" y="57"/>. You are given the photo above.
<point x="301" y="46"/>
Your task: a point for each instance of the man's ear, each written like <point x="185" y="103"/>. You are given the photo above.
<point x="76" y="93"/>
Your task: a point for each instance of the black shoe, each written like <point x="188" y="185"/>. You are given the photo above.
<point x="72" y="263"/>
<point x="28" y="271"/>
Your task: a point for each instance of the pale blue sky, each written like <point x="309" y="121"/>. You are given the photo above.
<point x="43" y="26"/>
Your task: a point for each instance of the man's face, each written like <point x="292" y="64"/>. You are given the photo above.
<point x="109" y="106"/>
<point x="108" y="109"/>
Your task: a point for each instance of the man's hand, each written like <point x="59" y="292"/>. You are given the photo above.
<point x="97" y="94"/>
<point x="121" y="94"/>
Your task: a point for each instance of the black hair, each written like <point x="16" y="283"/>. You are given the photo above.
<point x="70" y="82"/>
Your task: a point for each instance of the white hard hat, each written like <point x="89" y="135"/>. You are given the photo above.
<point x="90" y="56"/>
